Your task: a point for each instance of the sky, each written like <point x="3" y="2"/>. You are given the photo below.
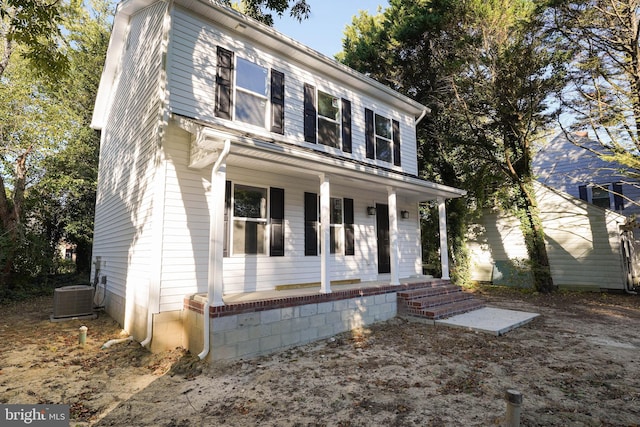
<point x="323" y="30"/>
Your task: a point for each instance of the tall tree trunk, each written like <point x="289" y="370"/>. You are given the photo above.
<point x="11" y="215"/>
<point x="533" y="234"/>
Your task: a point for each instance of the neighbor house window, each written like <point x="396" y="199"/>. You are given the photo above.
<point x="382" y="138"/>
<point x="327" y="119"/>
<point x="607" y="196"/>
<point x="246" y="92"/>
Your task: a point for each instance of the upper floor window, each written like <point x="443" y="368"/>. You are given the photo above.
<point x="247" y="86"/>
<point x="251" y="92"/>
<point x="608" y="196"/>
<point x="327" y="119"/>
<point x="382" y="138"/>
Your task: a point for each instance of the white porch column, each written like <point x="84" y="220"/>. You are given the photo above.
<point x="444" y="247"/>
<point x="325" y="235"/>
<point x="216" y="228"/>
<point x="393" y="236"/>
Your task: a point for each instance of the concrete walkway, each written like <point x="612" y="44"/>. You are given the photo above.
<point x="496" y="321"/>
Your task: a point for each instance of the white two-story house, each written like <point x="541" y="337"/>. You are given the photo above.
<point x="235" y="160"/>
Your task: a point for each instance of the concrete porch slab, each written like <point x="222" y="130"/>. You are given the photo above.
<point x="493" y="320"/>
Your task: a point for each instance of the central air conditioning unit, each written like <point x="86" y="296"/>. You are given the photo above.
<point x="72" y="301"/>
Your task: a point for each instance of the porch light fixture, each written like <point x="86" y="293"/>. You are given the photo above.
<point x="404" y="214"/>
<point x="371" y="210"/>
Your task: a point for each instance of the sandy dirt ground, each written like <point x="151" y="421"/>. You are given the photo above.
<point x="578" y="364"/>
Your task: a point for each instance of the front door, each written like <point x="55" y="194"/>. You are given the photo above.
<point x="384" y="246"/>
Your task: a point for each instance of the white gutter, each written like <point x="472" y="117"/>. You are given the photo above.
<point x="424" y="113"/>
<point x="211" y="288"/>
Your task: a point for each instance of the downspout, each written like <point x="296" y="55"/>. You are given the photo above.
<point x="206" y="325"/>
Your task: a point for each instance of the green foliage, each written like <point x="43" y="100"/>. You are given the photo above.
<point x="259" y="9"/>
<point x="35" y="26"/>
<point x="46" y="124"/>
<point x="483" y="69"/>
<point x="600" y="40"/>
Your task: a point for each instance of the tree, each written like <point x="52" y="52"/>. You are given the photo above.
<point x="482" y="69"/>
<point x="258" y="9"/>
<point x="603" y="95"/>
<point x="31" y="29"/>
<point x="412" y="47"/>
<point x="34" y="25"/>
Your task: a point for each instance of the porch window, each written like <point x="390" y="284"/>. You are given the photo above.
<point x="327" y="119"/>
<point x="382" y="138"/>
<point x="336" y="227"/>
<point x="341" y="230"/>
<point x="249" y="234"/>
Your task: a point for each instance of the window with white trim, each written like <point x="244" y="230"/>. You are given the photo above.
<point x="251" y="92"/>
<point x="247" y="92"/>
<point x="341" y="225"/>
<point x="382" y="138"/>
<point x="249" y="234"/>
<point x="327" y="119"/>
<point x="336" y="226"/>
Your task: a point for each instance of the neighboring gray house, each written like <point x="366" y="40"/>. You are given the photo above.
<point x="567" y="167"/>
<point x="585" y="207"/>
<point x="235" y="160"/>
<point x="588" y="246"/>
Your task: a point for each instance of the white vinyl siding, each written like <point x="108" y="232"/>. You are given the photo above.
<point x="582" y="242"/>
<point x="191" y="79"/>
<point x="122" y="234"/>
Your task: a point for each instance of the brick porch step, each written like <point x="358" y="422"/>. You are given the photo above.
<point x="436" y="301"/>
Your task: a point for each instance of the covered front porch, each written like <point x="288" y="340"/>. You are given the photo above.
<point x="393" y="194"/>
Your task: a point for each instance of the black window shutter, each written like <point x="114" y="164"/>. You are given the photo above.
<point x="349" y="234"/>
<point x="276" y="208"/>
<point x="617" y="196"/>
<point x="368" y="133"/>
<point x="224" y="83"/>
<point x="396" y="143"/>
<point x="346" y="126"/>
<point x="309" y="113"/>
<point x="277" y="102"/>
<point x="582" y="190"/>
<point x="310" y="224"/>
<point x="227" y="214"/>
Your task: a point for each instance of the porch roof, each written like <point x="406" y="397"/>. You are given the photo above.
<point x="279" y="156"/>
